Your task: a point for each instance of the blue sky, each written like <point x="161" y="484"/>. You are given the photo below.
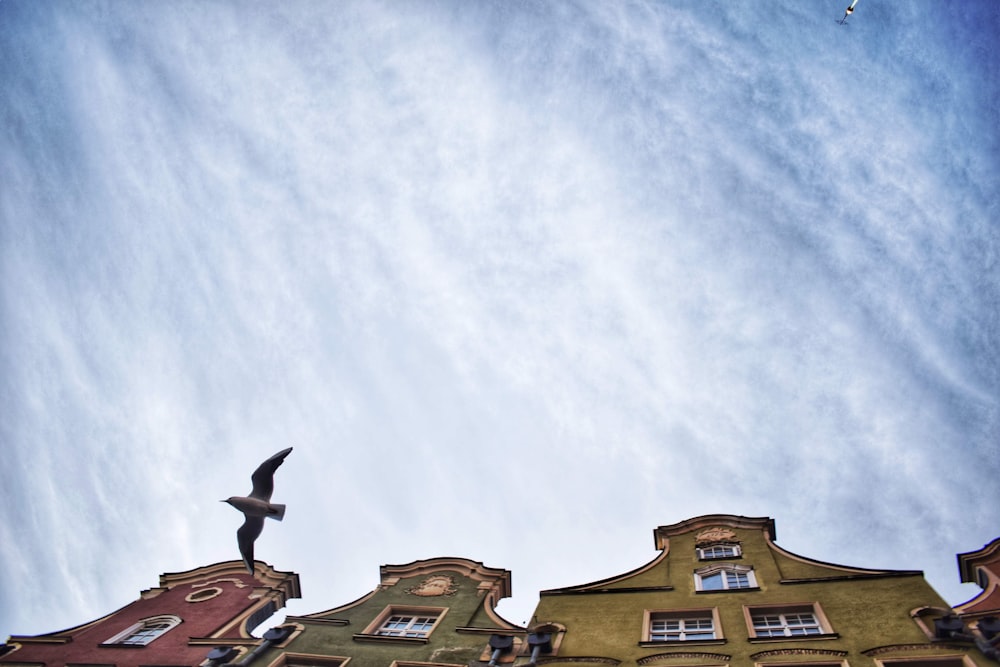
<point x="519" y="281"/>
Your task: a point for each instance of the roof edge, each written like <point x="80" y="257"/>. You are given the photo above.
<point x="662" y="534"/>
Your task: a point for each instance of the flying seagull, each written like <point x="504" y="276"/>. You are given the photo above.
<point x="848" y="11"/>
<point x="258" y="505"/>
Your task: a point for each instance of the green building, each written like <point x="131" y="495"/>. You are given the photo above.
<point x="722" y="593"/>
<point x="429" y="613"/>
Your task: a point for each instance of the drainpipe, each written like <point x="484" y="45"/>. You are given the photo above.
<point x="500" y="644"/>
<point x="989" y="647"/>
<point x="986" y="640"/>
<point x="271" y="637"/>
<point x="540" y="642"/>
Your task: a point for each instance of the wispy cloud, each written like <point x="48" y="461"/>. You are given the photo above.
<point x="518" y="282"/>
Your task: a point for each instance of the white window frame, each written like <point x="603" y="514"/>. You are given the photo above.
<point x="142" y="629"/>
<point x="741" y="571"/>
<point x="405" y="624"/>
<point x="787" y="625"/>
<point x="707" y="552"/>
<point x="927" y="661"/>
<point x="377" y="628"/>
<point x="309" y="660"/>
<point x="683" y="616"/>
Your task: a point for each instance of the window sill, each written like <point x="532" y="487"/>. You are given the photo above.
<point x="729" y="590"/>
<point x="361" y="637"/>
<point x="683" y="642"/>
<point x="797" y="638"/>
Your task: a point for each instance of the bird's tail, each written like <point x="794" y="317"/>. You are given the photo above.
<point x="276" y="511"/>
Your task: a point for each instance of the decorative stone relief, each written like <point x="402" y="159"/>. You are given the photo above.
<point x="435" y="586"/>
<point x="649" y="659"/>
<point x="901" y="648"/>
<point x="799" y="651"/>
<point x="717" y="534"/>
<point x="204" y="594"/>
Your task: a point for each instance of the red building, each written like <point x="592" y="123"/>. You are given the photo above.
<point x="178" y="623"/>
<point x="979" y="618"/>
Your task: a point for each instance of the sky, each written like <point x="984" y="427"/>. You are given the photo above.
<point x="519" y="281"/>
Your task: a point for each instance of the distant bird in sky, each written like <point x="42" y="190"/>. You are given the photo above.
<point x="848" y="11"/>
<point x="258" y="505"/>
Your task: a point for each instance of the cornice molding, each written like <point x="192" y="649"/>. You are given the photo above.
<point x="689" y="655"/>
<point x="40" y="639"/>
<point x="910" y="648"/>
<point x="852" y="572"/>
<point x="602" y="585"/>
<point x="969" y="561"/>
<point x="798" y="651"/>
<point x="494" y="580"/>
<point x="235" y="571"/>
<point x="662" y="534"/>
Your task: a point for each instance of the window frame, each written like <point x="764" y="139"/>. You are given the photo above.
<point x="650" y="616"/>
<point x="140" y="627"/>
<point x="298" y="659"/>
<point x="373" y="630"/>
<point x="407" y="624"/>
<point x="822" y="622"/>
<point x="725" y="569"/>
<point x="927" y="661"/>
<point x="704" y="555"/>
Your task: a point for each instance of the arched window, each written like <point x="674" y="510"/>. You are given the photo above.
<point x="145" y="631"/>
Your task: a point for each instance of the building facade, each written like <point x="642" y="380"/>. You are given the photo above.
<point x="180" y="622"/>
<point x="429" y="613"/>
<point x="721" y="593"/>
<point x="978" y="620"/>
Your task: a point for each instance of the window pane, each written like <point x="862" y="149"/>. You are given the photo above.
<point x="719" y="551"/>
<point x="712" y="582"/>
<point x="738" y="580"/>
<point x="407" y="626"/>
<point x="147" y="633"/>
<point x="792" y="624"/>
<point x="682" y="629"/>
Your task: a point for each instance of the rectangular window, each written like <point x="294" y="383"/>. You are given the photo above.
<point x="782" y="621"/>
<point x="144" y="632"/>
<point x="401" y="625"/>
<point x="942" y="661"/>
<point x="682" y="625"/>
<point x="719" y="551"/>
<point x="309" y="660"/>
<point x="786" y="625"/>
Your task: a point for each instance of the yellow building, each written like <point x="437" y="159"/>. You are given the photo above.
<point x="722" y="593"/>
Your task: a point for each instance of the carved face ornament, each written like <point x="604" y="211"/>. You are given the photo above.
<point x="434" y="586"/>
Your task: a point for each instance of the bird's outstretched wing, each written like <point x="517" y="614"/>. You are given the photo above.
<point x="246" y="536"/>
<point x="263" y="476"/>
